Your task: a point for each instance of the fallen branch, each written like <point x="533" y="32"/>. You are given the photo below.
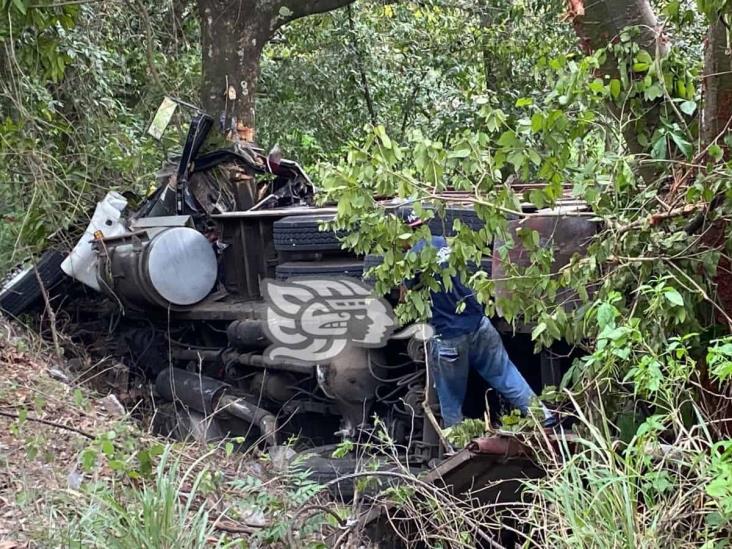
<point x="50" y="423"/>
<point x="428" y="488"/>
<point x="656" y="218"/>
<point x="232" y="528"/>
<point x="51" y="315"/>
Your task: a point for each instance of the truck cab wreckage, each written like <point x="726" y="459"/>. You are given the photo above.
<point x="177" y="298"/>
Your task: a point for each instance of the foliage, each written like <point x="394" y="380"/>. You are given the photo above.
<point x="75" y="96"/>
<point x="279" y="501"/>
<point x="461" y="434"/>
<point x="153" y="516"/>
<point x="455" y="95"/>
<point x="646" y="495"/>
<point x="645" y="304"/>
<point x="432" y="67"/>
<point x="634" y="266"/>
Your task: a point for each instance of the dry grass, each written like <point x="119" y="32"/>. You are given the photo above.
<point x="71" y="473"/>
<point x="36" y="459"/>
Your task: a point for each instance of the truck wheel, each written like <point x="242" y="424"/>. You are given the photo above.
<point x="302" y="233"/>
<point x="335" y="267"/>
<point x="20" y="290"/>
<point x="443" y="225"/>
<point x="372" y="260"/>
<point x="369" y="262"/>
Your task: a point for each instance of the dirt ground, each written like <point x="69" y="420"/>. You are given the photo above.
<point x="44" y="425"/>
<point x="49" y="423"/>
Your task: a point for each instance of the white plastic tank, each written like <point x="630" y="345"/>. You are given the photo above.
<point x="81" y="263"/>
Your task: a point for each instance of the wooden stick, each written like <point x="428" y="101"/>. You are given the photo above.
<point x="51" y="423"/>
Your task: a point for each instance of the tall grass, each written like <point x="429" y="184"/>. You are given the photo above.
<point x="601" y="494"/>
<point x="166" y="513"/>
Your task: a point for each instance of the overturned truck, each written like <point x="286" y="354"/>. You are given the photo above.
<point x="177" y="297"/>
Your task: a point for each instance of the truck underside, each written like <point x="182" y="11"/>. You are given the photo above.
<point x="172" y="291"/>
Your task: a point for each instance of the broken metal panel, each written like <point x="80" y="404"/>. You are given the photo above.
<point x="490" y="470"/>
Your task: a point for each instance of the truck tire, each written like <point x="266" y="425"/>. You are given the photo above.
<point x="334" y="267"/>
<point x="372" y="260"/>
<point x="21" y="290"/>
<point x="443" y="225"/>
<point x="302" y="233"/>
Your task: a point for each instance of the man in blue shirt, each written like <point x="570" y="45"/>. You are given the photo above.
<point x="465" y="340"/>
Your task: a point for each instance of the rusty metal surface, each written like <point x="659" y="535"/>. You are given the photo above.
<point x="498" y="446"/>
<point x="490" y="470"/>
<point x="566" y="235"/>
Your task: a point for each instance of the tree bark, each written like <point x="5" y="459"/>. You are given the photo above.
<point x="716" y="83"/>
<point x="598" y="23"/>
<point x="232" y="39"/>
<point x="233" y="35"/>
<point x="716" y="118"/>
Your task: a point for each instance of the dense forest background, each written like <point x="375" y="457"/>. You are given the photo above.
<point x="625" y="105"/>
<point x="81" y="82"/>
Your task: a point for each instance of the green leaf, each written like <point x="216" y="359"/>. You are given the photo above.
<point x="517" y="159"/>
<point x="674" y="297"/>
<point x="683" y="145"/>
<point x="524" y="102"/>
<point x="538" y="330"/>
<point x="508" y="139"/>
<point x="537" y="122"/>
<point x="715" y="151"/>
<point x="381" y="133"/>
<point x="419" y="304"/>
<point x="107" y="447"/>
<point x="459" y="153"/>
<point x="653" y="92"/>
<point x="534" y="157"/>
<point x="88" y="458"/>
<point x="688" y="107"/>
<point x="615" y="88"/>
<point x="659" y="148"/>
<point x="606" y="315"/>
<point x="644" y="57"/>
<point x="597" y="86"/>
<point x="285" y="11"/>
<point x="640" y="67"/>
<point x="536" y="197"/>
<point x="116" y="464"/>
<point x="20" y="6"/>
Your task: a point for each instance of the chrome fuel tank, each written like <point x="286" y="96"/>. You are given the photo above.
<point x="166" y="267"/>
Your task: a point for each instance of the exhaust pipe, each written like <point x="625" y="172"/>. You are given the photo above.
<point x="209" y="396"/>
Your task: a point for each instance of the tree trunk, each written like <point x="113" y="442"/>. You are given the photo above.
<point x="599" y="23"/>
<point x="716" y="84"/>
<point x="716" y="117"/>
<point x="233" y="35"/>
<point x="232" y="41"/>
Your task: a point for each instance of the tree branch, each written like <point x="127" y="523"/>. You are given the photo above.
<point x="149" y="45"/>
<point x="295" y="9"/>
<point x="358" y="52"/>
<point x="49" y="423"/>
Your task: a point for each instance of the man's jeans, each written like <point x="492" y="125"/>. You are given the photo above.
<point x="482" y="350"/>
